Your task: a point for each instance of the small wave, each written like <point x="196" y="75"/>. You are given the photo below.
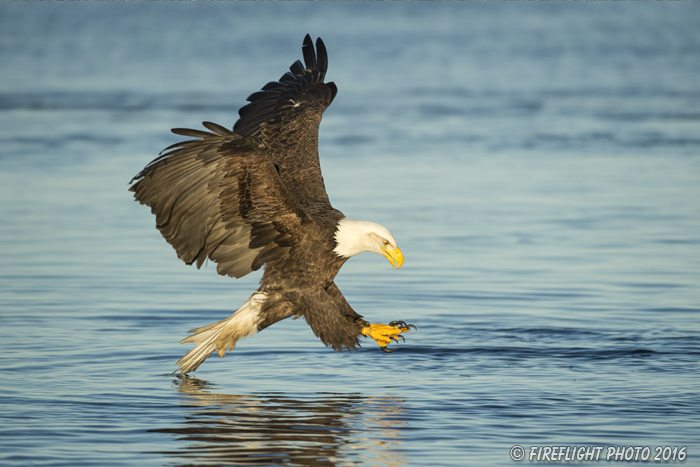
<point x="117" y="100"/>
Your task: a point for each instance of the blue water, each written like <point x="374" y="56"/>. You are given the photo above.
<point x="538" y="163"/>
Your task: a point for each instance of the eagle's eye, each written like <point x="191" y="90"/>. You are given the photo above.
<point x="386" y="242"/>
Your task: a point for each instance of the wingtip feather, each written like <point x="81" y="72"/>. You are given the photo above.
<point x="321" y="58"/>
<point x="309" y="53"/>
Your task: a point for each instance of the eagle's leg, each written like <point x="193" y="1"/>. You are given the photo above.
<point x="385" y="333"/>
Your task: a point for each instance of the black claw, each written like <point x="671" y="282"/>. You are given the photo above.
<point x="387" y="349"/>
<point x="402" y="325"/>
<point x="402" y="338"/>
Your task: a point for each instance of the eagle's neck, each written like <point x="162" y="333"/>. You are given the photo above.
<point x="353" y="237"/>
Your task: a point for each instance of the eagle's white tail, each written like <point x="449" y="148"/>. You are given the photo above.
<point x="223" y="335"/>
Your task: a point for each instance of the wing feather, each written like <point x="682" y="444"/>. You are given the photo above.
<point x="220" y="197"/>
<point x="191" y="132"/>
<point x="216" y="128"/>
<point x="286" y="115"/>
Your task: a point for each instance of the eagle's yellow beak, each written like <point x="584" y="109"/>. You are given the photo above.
<point x="395" y="257"/>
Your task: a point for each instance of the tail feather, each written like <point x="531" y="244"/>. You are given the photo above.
<point x="222" y="335"/>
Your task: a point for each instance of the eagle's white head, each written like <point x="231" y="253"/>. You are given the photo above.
<point x="353" y="237"/>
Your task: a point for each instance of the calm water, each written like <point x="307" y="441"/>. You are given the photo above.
<point x="539" y="165"/>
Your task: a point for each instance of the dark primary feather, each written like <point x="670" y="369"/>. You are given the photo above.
<point x="275" y="96"/>
<point x="216" y="128"/>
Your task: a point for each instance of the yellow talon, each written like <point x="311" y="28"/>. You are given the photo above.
<point x="383" y="334"/>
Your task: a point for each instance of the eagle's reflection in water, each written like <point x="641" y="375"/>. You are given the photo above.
<point x="322" y="429"/>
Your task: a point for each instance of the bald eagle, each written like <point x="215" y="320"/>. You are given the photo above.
<point x="255" y="197"/>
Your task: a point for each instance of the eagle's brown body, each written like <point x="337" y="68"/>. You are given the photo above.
<point x="255" y="196"/>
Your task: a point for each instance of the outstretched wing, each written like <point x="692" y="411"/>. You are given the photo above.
<point x="220" y="197"/>
<point x="286" y="115"/>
